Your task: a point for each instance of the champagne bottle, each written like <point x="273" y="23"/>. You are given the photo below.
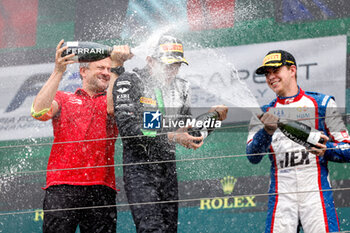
<point x="86" y="51"/>
<point x="300" y="133"/>
<point x="206" y="125"/>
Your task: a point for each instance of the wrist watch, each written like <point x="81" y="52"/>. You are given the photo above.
<point x="118" y="70"/>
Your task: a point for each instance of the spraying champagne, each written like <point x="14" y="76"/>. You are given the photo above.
<point x="300" y="132"/>
<point x="208" y="121"/>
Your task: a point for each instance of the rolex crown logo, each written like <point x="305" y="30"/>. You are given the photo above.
<point x="228" y="184"/>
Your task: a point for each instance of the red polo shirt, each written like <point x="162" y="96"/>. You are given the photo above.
<point x="82" y="117"/>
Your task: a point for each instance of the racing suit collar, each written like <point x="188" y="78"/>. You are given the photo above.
<point x="291" y="99"/>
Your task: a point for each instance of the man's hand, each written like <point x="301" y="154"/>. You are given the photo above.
<point x="221" y="109"/>
<point x="182" y="137"/>
<point x="120" y="54"/>
<point x="321" y="147"/>
<point x="62" y="62"/>
<point x="269" y="121"/>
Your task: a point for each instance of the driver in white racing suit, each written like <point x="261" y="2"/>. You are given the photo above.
<point x="299" y="182"/>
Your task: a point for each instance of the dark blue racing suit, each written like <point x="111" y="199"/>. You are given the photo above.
<point x="133" y="94"/>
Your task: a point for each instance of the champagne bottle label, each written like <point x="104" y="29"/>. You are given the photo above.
<point x="86" y="51"/>
<point x="293" y="137"/>
<point x="314" y="137"/>
<point x="300" y="133"/>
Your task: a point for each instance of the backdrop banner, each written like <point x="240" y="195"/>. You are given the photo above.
<point x="218" y="76"/>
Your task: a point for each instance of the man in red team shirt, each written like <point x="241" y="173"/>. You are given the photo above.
<point x="80" y="118"/>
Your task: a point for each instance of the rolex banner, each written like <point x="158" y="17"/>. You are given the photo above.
<point x="217" y="76"/>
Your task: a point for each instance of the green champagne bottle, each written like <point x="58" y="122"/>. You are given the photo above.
<point x="300" y="133"/>
<point x="86" y="51"/>
<point x="205" y="125"/>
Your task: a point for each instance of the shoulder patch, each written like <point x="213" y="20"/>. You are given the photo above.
<point x="120" y="83"/>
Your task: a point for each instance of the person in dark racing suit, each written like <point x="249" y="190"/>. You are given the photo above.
<point x="154" y="90"/>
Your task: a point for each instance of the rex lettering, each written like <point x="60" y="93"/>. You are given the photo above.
<point x="295" y="158"/>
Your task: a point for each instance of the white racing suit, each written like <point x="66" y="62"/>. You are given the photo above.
<point x="297" y="175"/>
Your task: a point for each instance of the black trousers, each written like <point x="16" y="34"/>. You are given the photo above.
<point x="153" y="183"/>
<point x="75" y="196"/>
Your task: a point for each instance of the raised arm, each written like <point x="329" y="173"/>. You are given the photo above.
<point x="119" y="55"/>
<point x="44" y="107"/>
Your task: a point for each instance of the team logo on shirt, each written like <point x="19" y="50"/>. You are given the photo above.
<point x="146" y="100"/>
<point x="121" y="83"/>
<point x="278" y="112"/>
<point x="302" y="108"/>
<point x="288" y="101"/>
<point x="75" y="101"/>
<point x="122" y="90"/>
<point x="344" y="134"/>
<point x="294" y="158"/>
